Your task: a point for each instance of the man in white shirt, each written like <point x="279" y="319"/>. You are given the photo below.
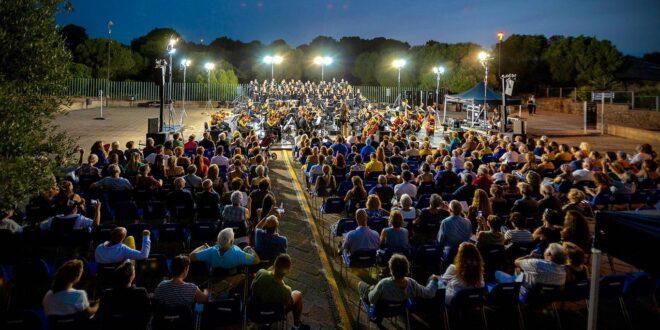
<point x="583" y="174"/>
<point x="114" y="251"/>
<point x="406" y="187"/>
<point x="219" y="158"/>
<point x="151" y="158"/>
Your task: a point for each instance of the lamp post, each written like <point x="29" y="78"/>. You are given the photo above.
<point x="398" y="64"/>
<point x="272" y="60"/>
<point x="209" y="67"/>
<point x="438" y="70"/>
<point x="170" y="51"/>
<point x="185" y="63"/>
<point x="500" y="37"/>
<point x="483" y="59"/>
<point x="322" y="61"/>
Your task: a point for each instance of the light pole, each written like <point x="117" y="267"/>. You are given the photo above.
<point x="209" y="67"/>
<point x="272" y="60"/>
<point x="500" y="37"/>
<point x="107" y="82"/>
<point x="170" y="51"/>
<point x="483" y="59"/>
<point x="322" y="61"/>
<point x="398" y="64"/>
<point x="185" y="63"/>
<point x="438" y="70"/>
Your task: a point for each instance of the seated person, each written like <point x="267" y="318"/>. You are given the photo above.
<point x="191" y="179"/>
<point x="436" y="211"/>
<point x="397" y="287"/>
<point x="113" y="182"/>
<point x="125" y="299"/>
<point x="80" y="222"/>
<point x="576" y="270"/>
<point x="526" y="205"/>
<point x="62" y="299"/>
<point x="179" y="196"/>
<point x="405" y="206"/>
<point x="225" y="255"/>
<point x="519" y="234"/>
<point x="395" y="237"/>
<point x="549" y="270"/>
<point x="488" y="231"/>
<point x="115" y="251"/>
<point x="7" y="223"/>
<point x="237" y="214"/>
<point x="383" y="190"/>
<point x="268" y="287"/>
<point x="467" y="271"/>
<point x="454" y="229"/>
<point x="175" y="292"/>
<point x="407" y="187"/>
<point x="361" y="238"/>
<point x="267" y="239"/>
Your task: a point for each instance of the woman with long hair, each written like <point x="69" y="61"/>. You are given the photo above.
<point x="213" y="174"/>
<point x="374" y="207"/>
<point x="134" y="164"/>
<point x="576" y="230"/>
<point x="62" y="298"/>
<point x="173" y="170"/>
<point x="356" y="194"/>
<point x="325" y="184"/>
<point x="467" y="271"/>
<point x="482" y="202"/>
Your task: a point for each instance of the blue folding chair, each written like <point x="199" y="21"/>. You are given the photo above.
<point x="358" y="259"/>
<point x="423" y="201"/>
<point x="332" y="205"/>
<point x="340" y="228"/>
<point x="611" y="290"/>
<point x="505" y="295"/>
<point x="385" y="309"/>
<point x="377" y="224"/>
<point x="467" y="300"/>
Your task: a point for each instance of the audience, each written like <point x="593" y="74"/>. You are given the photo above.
<point x="176" y="292"/>
<point x="62" y="299"/>
<point x="115" y="250"/>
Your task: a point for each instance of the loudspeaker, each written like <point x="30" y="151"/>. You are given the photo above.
<point x="519" y="127"/>
<point x="152" y="125"/>
<point x="159" y="138"/>
<point x="457" y="124"/>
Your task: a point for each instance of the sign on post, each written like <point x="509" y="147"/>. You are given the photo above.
<point x="599" y="96"/>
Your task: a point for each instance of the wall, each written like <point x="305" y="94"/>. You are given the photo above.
<point x="614" y="113"/>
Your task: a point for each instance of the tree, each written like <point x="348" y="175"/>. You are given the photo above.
<point x="80" y="71"/>
<point x="523" y="55"/>
<point x="365" y="67"/>
<point x="94" y="54"/>
<point x="34" y="64"/>
<point x="73" y="35"/>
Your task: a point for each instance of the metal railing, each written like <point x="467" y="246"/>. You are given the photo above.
<point x="635" y="102"/>
<point x="147" y="91"/>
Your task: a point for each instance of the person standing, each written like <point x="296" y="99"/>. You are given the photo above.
<point x="531" y="105"/>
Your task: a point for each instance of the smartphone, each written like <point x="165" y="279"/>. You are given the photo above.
<point x="93" y="201"/>
<point x="480" y="214"/>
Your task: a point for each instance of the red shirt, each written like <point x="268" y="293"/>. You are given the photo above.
<point x="483" y="182"/>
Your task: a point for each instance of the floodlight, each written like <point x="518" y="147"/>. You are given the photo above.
<point x="186" y="62"/>
<point x="277" y="59"/>
<point x="209" y="66"/>
<point x="483" y="56"/>
<point x="268" y="59"/>
<point x="399" y="63"/>
<point x="439" y="69"/>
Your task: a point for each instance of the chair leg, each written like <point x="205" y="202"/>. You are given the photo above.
<point x="521" y="320"/>
<point x="447" y="321"/>
<point x="556" y="312"/>
<point x="624" y="311"/>
<point x="408" y="320"/>
<point x="483" y="313"/>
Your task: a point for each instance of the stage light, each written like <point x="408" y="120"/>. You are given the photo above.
<point x="399" y="63"/>
<point x="209" y="66"/>
<point x="268" y="59"/>
<point x="272" y="60"/>
<point x="439" y="69"/>
<point x="323" y="61"/>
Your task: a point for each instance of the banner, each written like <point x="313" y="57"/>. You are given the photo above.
<point x="509" y="86"/>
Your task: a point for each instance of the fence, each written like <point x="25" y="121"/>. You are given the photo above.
<point x="141" y="90"/>
<point x="635" y="102"/>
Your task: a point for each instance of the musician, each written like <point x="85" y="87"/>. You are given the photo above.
<point x="343" y="119"/>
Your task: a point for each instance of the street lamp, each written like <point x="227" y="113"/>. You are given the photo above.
<point x="483" y="59"/>
<point x="209" y="67"/>
<point x="272" y="60"/>
<point x="438" y="70"/>
<point x="170" y="51"/>
<point x="398" y="64"/>
<point x="500" y="37"/>
<point x="185" y="63"/>
<point x="322" y="61"/>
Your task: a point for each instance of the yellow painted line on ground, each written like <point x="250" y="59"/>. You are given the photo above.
<point x="329" y="275"/>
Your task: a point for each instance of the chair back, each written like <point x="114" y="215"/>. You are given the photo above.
<point x="576" y="291"/>
<point x="151" y="271"/>
<point x="343" y="226"/>
<point x="639" y="284"/>
<point x="22" y="320"/>
<point x="388" y="308"/>
<point x="75" y="321"/>
<point x="221" y="312"/>
<point x="494" y="259"/>
<point x="361" y="259"/>
<point x="504" y="294"/>
<point x="333" y="205"/>
<point x="172" y="318"/>
<point x="423" y="201"/>
<point x="377" y="224"/>
<point x="171" y="232"/>
<point x="541" y="294"/>
<point x="467" y="299"/>
<point x="611" y="286"/>
<point x="426" y="188"/>
<point x="265" y="313"/>
<point x="203" y="232"/>
<point x="427" y="254"/>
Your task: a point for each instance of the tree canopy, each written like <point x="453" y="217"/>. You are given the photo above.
<point x="538" y="61"/>
<point x="34" y="64"/>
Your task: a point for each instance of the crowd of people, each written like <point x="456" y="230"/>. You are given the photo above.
<point x="303" y="92"/>
<point x="223" y="184"/>
<point x="471" y="195"/>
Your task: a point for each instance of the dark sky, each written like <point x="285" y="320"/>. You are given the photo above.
<point x="632" y="25"/>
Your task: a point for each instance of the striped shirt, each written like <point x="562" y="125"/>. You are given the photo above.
<point x="518" y="236"/>
<point x="169" y="294"/>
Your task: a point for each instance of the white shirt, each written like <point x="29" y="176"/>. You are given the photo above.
<point x="220" y="160"/>
<point x="151" y="158"/>
<point x="582" y="175"/>
<point x="509" y="157"/>
<point x="65" y="302"/>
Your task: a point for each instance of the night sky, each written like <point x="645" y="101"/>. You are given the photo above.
<point x="632" y="25"/>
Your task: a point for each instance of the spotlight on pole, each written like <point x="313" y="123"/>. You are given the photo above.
<point x="272" y="60"/>
<point x="209" y="67"/>
<point x="323" y="61"/>
<point x="398" y="64"/>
